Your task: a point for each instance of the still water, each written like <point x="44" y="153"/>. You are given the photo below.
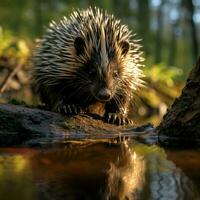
<point x="119" y="170"/>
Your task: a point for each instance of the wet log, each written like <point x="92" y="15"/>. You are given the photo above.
<point x="25" y="126"/>
<point x="19" y="124"/>
<point x="182" y="120"/>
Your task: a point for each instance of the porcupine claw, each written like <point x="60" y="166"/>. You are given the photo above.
<point x="69" y="109"/>
<point x="119" y="119"/>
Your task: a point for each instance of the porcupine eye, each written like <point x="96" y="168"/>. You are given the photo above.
<point x="125" y="47"/>
<point x="79" y="45"/>
<point x="115" y="74"/>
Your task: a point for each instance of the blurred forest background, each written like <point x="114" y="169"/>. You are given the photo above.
<point x="168" y="29"/>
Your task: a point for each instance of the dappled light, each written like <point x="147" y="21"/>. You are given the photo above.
<point x="99" y="100"/>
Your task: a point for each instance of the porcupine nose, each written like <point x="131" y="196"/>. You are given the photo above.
<point x="104" y="94"/>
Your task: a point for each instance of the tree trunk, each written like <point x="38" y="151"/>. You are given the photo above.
<point x="159" y="34"/>
<point x="173" y="45"/>
<point x="144" y="23"/>
<point x="182" y="121"/>
<point x="38" y="17"/>
<point x="188" y="4"/>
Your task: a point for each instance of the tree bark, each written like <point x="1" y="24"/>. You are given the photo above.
<point x="182" y="121"/>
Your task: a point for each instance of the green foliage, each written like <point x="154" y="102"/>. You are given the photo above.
<point x="12" y="47"/>
<point x="5" y="40"/>
<point x="163" y="74"/>
<point x="155" y="159"/>
<point x="163" y="85"/>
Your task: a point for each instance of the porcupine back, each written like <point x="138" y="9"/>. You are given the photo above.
<point x="89" y="39"/>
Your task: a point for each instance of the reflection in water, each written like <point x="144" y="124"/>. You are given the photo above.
<point x="15" y="178"/>
<point x="93" y="171"/>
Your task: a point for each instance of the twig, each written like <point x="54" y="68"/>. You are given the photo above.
<point x="9" y="77"/>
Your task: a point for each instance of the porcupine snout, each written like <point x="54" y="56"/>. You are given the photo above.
<point x="104" y="94"/>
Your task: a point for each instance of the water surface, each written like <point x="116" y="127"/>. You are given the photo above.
<point x="99" y="170"/>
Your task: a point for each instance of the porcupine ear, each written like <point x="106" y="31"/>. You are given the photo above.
<point x="79" y="45"/>
<point x="125" y="47"/>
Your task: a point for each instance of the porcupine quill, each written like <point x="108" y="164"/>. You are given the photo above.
<point x="87" y="61"/>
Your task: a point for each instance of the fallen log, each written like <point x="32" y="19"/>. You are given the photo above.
<point x="20" y="125"/>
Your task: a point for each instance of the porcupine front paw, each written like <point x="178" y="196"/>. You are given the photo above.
<point x="117" y="118"/>
<point x="69" y="109"/>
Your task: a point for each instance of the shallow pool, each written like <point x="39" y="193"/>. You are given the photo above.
<point x="101" y="169"/>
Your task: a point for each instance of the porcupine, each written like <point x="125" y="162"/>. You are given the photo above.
<point x="87" y="61"/>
